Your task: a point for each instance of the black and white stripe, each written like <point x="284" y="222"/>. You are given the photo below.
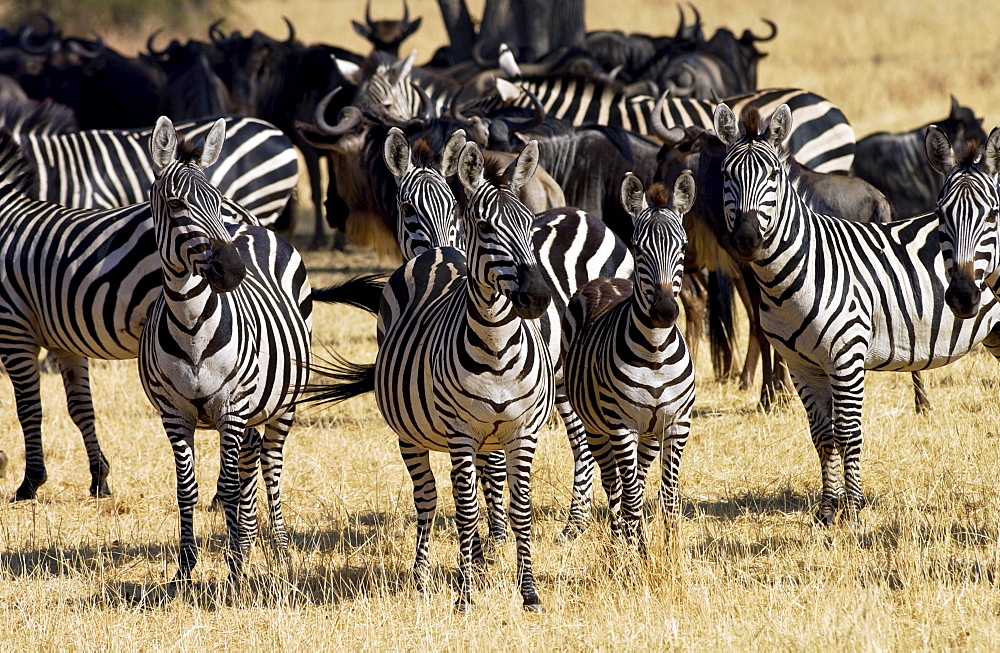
<point x="225" y="343"/>
<point x="838" y="298"/>
<point x="628" y="372"/>
<point x="103" y="169"/>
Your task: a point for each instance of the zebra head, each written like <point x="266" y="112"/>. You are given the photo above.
<point x="426" y="203"/>
<point x="967" y="210"/>
<point x="500" y="256"/>
<point x="659" y="244"/>
<point x="753" y="174"/>
<point x="186" y="209"/>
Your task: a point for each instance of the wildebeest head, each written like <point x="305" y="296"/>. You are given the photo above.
<point x="386" y="35"/>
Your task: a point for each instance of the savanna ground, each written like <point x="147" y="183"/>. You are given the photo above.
<point x="750" y="569"/>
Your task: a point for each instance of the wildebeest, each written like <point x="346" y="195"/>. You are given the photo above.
<point x="896" y="164"/>
<point x="386" y="35"/>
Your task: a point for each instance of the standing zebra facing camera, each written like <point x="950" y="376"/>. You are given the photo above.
<point x="226" y="344"/>
<point x="628" y="372"/>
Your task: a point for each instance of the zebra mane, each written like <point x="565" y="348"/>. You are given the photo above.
<point x="493" y="170"/>
<point x="600" y="296"/>
<point x="658" y="196"/>
<point x="421" y="153"/>
<point x="187" y="152"/>
<point x="968" y="153"/>
<point x="39" y="118"/>
<point x="751" y="121"/>
<point x="17" y="174"/>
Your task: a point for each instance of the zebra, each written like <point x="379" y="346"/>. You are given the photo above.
<point x="469" y="370"/>
<point x="823" y="139"/>
<point x="573" y="248"/>
<point x="837" y="298"/>
<point x="226" y="342"/>
<point x="104" y="169"/>
<point x="968" y="207"/>
<point x="79" y="283"/>
<point x="628" y="371"/>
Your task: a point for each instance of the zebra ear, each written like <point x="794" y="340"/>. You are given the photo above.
<point x="401" y="69"/>
<point x="452" y="150"/>
<point x="509" y="93"/>
<point x="523" y="167"/>
<point x="351" y="72"/>
<point x="781" y="126"/>
<point x="991" y="158"/>
<point x="633" y="195"/>
<point x="684" y="193"/>
<point x="937" y="147"/>
<point x="163" y="144"/>
<point x="470" y="167"/>
<point x="725" y="124"/>
<point x="212" y="148"/>
<point x="396" y="152"/>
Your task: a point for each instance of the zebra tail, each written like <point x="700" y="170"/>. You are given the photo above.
<point x="721" y="338"/>
<point x="364" y="292"/>
<point x="341" y="380"/>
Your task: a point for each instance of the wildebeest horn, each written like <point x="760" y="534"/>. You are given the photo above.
<point x="697" y="17"/>
<point x="670" y="136"/>
<point x="477" y="56"/>
<point x="536" y="119"/>
<point x="429" y="112"/>
<point x="406" y="14"/>
<point x="291" y="29"/>
<point x="455" y="111"/>
<point x="764" y="39"/>
<point x="368" y="15"/>
<point x="680" y="25"/>
<point x="149" y="44"/>
<point x="350" y="116"/>
<point x="25" y="42"/>
<point x="86" y="49"/>
<point x="215" y="34"/>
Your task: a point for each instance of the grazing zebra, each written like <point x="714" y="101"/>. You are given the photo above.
<point x="78" y="283"/>
<point x="838" y="298"/>
<point x="104" y="169"/>
<point x="225" y="341"/>
<point x="968" y="208"/>
<point x="468" y="370"/>
<point x="822" y="140"/>
<point x="627" y="368"/>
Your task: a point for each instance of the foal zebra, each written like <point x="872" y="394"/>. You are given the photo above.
<point x="226" y="342"/>
<point x="968" y="208"/>
<point x="468" y="370"/>
<point x="628" y="372"/>
<point x="838" y="298"/>
<point x="78" y="283"/>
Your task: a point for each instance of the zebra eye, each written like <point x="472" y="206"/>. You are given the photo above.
<point x="773" y="175"/>
<point x="175" y="204"/>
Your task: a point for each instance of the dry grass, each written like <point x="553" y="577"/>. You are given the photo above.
<point x="750" y="569"/>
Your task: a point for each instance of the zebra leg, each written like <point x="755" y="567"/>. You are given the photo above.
<point x="232" y="436"/>
<point x="492" y="471"/>
<point x="418" y="464"/>
<point x="463" y="482"/>
<point x="675" y="438"/>
<point x="520" y="455"/>
<point x="923" y="404"/>
<point x="22" y="368"/>
<point x="600" y="446"/>
<point x="181" y="434"/>
<point x="272" y="460"/>
<point x="583" y="469"/>
<point x="76" y="381"/>
<point x="817" y="397"/>
<point x="646" y="450"/>
<point x="848" y="397"/>
<point x="248" y="465"/>
<point x="626" y="450"/>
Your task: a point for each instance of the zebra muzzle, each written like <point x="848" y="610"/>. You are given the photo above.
<point x="963" y="294"/>
<point x="663" y="309"/>
<point x="532" y="295"/>
<point x="223" y="268"/>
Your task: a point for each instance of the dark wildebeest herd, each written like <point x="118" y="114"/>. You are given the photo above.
<point x="554" y="205"/>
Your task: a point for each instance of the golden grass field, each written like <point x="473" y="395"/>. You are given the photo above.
<point x="749" y="570"/>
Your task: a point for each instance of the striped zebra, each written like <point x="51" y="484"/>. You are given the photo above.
<point x="104" y="169"/>
<point x="225" y="341"/>
<point x="468" y="370"/>
<point x="627" y="368"/>
<point x="78" y="283"/>
<point x="838" y="298"/>
<point x="822" y="140"/>
<point x="968" y="208"/>
<point x="572" y="248"/>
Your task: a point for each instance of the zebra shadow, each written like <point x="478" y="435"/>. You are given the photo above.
<point x="760" y="503"/>
<point x="90" y="558"/>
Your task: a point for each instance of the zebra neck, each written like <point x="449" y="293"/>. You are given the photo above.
<point x="646" y="342"/>
<point x="491" y="326"/>
<point x="791" y="237"/>
<point x="189" y="300"/>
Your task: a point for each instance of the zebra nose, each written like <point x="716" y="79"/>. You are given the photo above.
<point x="532" y="295"/>
<point x="224" y="269"/>
<point x="963" y="295"/>
<point x="663" y="309"/>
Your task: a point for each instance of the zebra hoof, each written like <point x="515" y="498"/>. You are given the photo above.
<point x="28" y="489"/>
<point x="533" y="605"/>
<point x="216" y="504"/>
<point x="569" y="534"/>
<point x="99" y="488"/>
<point x="463" y="606"/>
